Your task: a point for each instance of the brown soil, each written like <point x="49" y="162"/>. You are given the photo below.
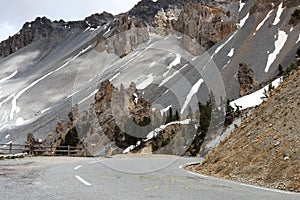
<point x="264" y="150"/>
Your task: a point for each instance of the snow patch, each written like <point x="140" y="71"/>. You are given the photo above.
<point x="20" y="121"/>
<point x="92" y="94"/>
<point x="45" y="110"/>
<point x="279" y="44"/>
<point x="255" y="98"/>
<point x="165" y="110"/>
<point x="222" y="45"/>
<point x="193" y="91"/>
<point x="15" y="108"/>
<point x="152" y="64"/>
<point x="241" y="6"/>
<point x="175" y="62"/>
<point x="73" y="94"/>
<point x="7" y="136"/>
<point x="171" y="76"/>
<point x="156" y="131"/>
<point x="226" y="64"/>
<point x="114" y="77"/>
<point x="88" y="28"/>
<point x="107" y="31"/>
<point x="4" y="101"/>
<point x="298" y="39"/>
<point x="278" y="14"/>
<point x="128" y="149"/>
<point x="9" y="77"/>
<point x="243" y="21"/>
<point x="10" y="142"/>
<point x="136" y="98"/>
<point x="263" y="21"/>
<point x="230" y="54"/>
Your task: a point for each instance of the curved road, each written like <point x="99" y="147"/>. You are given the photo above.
<point x="121" y="178"/>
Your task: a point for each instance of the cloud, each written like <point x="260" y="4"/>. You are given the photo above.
<point x="15" y="13"/>
<point x="6" y="30"/>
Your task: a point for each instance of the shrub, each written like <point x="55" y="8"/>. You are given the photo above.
<point x="296" y="14"/>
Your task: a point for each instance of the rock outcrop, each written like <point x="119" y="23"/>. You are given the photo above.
<point x="204" y="24"/>
<point x="246" y="79"/>
<point x="41" y="28"/>
<point x="147" y="9"/>
<point x="122" y="114"/>
<point x="126" y="36"/>
<point x="201" y="26"/>
<point x="97" y="19"/>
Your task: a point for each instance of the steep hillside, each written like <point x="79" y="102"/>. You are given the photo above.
<point x="265" y="149"/>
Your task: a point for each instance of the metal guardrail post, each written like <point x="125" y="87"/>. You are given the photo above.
<point x="68" y="150"/>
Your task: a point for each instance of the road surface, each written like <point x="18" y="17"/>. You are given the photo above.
<point x="120" y="178"/>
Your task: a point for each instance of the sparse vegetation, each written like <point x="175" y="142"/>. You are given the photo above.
<point x="296" y="13"/>
<point x="295" y="17"/>
<point x="294" y="65"/>
<point x="172" y="117"/>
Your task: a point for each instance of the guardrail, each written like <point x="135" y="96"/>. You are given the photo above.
<point x="41" y="149"/>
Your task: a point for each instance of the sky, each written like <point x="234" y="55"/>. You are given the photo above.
<point x="14" y="13"/>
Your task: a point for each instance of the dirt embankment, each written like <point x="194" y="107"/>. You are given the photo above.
<point x="265" y="149"/>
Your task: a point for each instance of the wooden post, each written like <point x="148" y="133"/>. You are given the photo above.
<point x="68" y="150"/>
<point x="10" y="148"/>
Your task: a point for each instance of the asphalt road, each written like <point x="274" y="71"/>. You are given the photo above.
<point x="120" y="178"/>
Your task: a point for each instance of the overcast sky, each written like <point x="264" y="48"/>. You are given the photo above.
<point x="14" y="13"/>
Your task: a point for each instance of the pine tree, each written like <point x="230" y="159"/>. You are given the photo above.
<point x="171" y="114"/>
<point x="280" y="69"/>
<point x="176" y="117"/>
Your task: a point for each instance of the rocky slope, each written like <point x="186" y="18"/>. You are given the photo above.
<point x="264" y="150"/>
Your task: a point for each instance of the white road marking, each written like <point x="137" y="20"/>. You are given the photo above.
<point x="82" y="180"/>
<point x="180" y="167"/>
<point x="79" y="166"/>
